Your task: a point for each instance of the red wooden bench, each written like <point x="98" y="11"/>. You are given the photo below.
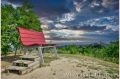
<point x="33" y="39"/>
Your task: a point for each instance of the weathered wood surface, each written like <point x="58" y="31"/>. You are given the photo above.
<point x="29" y="57"/>
<point x="22" y="62"/>
<point x="23" y="66"/>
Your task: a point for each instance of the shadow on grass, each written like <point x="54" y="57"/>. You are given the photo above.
<point x="10" y="58"/>
<point x="7" y="60"/>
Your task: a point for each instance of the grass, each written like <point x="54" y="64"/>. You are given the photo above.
<point x="94" y="68"/>
<point x="54" y="73"/>
<point x="78" y="65"/>
<point x="82" y="71"/>
<point x="111" y="68"/>
<point x="100" y="62"/>
<point x="84" y="65"/>
<point x="112" y="71"/>
<point x="48" y="59"/>
<point x="88" y="69"/>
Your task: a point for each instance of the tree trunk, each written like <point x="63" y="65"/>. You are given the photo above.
<point x="15" y="52"/>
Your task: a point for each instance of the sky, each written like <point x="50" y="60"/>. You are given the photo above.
<point x="76" y="20"/>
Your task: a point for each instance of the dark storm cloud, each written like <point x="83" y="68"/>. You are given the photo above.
<point x="74" y="23"/>
<point x="84" y="11"/>
<point x="55" y="8"/>
<point x="46" y="8"/>
<point x="113" y="35"/>
<point x="18" y="2"/>
<point x="89" y="28"/>
<point x="96" y="8"/>
<point x="111" y="4"/>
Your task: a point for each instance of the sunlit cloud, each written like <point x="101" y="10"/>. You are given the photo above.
<point x="78" y="6"/>
<point x="66" y="17"/>
<point x="94" y="4"/>
<point x="110" y="3"/>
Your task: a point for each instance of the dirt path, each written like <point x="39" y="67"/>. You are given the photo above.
<point x="68" y="68"/>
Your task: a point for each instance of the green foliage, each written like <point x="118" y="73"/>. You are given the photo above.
<point x="22" y="16"/>
<point x="73" y="49"/>
<point x="6" y="20"/>
<point x="105" y="52"/>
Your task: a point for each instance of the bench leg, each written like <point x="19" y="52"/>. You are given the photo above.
<point x="40" y="54"/>
<point x="55" y="51"/>
<point x="32" y="51"/>
<point x="25" y="50"/>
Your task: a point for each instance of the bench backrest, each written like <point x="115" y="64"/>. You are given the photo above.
<point x="30" y="37"/>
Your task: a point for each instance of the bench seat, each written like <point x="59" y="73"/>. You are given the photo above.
<point x="32" y="44"/>
<point x="34" y="39"/>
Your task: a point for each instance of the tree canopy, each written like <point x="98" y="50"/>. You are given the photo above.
<point x="21" y="16"/>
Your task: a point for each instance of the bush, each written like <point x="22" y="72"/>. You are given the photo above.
<point x="107" y="53"/>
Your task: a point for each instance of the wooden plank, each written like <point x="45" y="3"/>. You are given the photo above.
<point x="22" y="62"/>
<point x="38" y="44"/>
<point x="16" y="68"/>
<point x="29" y="56"/>
<point x="28" y="35"/>
<point x="37" y="59"/>
<point x="22" y="70"/>
<point x="34" y="63"/>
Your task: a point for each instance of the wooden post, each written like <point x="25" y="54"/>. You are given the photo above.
<point x="25" y="50"/>
<point x="55" y="51"/>
<point x="40" y="54"/>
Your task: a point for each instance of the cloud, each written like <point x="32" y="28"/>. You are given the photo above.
<point x="15" y="1"/>
<point x="54" y="8"/>
<point x="94" y="4"/>
<point x="111" y="4"/>
<point x="82" y="36"/>
<point x="13" y="4"/>
<point x="89" y="28"/>
<point x="46" y="8"/>
<point x="78" y="6"/>
<point x="66" y="17"/>
<point x="77" y="20"/>
<point x="60" y="26"/>
<point x="105" y="36"/>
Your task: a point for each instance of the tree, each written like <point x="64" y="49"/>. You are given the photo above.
<point x="73" y="49"/>
<point x="6" y="20"/>
<point x="22" y="16"/>
<point x="26" y="18"/>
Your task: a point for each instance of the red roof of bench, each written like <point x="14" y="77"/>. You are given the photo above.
<point x="30" y="37"/>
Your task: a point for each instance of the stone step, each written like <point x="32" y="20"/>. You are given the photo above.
<point x="29" y="57"/>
